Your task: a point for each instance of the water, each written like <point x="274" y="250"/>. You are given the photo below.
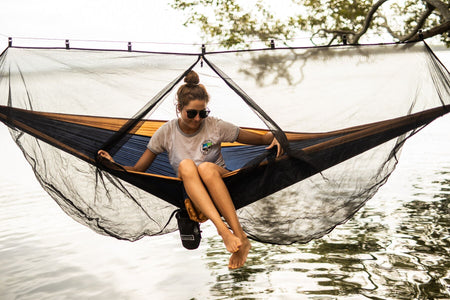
<point x="396" y="247"/>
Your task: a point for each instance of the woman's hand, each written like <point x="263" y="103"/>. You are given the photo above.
<point x="104" y="155"/>
<point x="251" y="138"/>
<point x="276" y="143"/>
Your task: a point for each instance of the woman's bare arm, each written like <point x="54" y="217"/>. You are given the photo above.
<point x="251" y="138"/>
<point x="142" y="164"/>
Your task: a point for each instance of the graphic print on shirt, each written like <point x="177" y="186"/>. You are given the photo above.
<point x="206" y="147"/>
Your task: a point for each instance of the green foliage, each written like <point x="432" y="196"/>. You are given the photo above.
<point x="229" y="24"/>
<point x="335" y="14"/>
<point x="323" y="16"/>
<point x="232" y="23"/>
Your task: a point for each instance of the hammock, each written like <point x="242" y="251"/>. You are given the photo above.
<point x="342" y="113"/>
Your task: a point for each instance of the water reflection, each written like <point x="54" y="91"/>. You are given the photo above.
<point x="393" y="249"/>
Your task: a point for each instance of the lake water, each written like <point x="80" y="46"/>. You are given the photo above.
<point x="396" y="247"/>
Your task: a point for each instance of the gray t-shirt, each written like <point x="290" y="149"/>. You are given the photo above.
<point x="202" y="146"/>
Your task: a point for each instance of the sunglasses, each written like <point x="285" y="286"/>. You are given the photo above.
<point x="192" y="113"/>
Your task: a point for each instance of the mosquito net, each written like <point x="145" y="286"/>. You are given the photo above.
<point x="342" y="114"/>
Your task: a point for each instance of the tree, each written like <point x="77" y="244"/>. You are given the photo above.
<point x="233" y="23"/>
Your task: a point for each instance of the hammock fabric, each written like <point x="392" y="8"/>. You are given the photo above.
<point x="342" y="114"/>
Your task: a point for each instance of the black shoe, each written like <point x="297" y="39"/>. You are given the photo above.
<point x="189" y="230"/>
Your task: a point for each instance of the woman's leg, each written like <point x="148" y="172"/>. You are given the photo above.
<point x="211" y="175"/>
<point x="197" y="192"/>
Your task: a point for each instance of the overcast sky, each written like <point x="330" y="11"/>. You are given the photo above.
<point x="111" y="20"/>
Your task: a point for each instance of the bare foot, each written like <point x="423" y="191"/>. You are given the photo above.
<point x="232" y="242"/>
<point x="238" y="259"/>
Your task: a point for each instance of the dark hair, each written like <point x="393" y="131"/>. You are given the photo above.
<point x="191" y="90"/>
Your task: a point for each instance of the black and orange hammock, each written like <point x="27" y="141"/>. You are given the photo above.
<point x="76" y="134"/>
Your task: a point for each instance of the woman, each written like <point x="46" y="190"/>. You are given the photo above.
<point x="193" y="143"/>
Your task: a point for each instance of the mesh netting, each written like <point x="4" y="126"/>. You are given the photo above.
<point x="311" y="91"/>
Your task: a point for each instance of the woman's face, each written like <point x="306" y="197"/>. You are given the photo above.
<point x="192" y="124"/>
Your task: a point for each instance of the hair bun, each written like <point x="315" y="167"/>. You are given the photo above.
<point x="192" y="89"/>
<point x="191" y="78"/>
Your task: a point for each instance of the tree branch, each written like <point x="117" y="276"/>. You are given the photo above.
<point x="419" y="25"/>
<point x="367" y="21"/>
<point x="355" y="35"/>
<point x="445" y="27"/>
<point x="442" y="7"/>
<point x="414" y="34"/>
<point x="335" y="34"/>
<point x="390" y="31"/>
